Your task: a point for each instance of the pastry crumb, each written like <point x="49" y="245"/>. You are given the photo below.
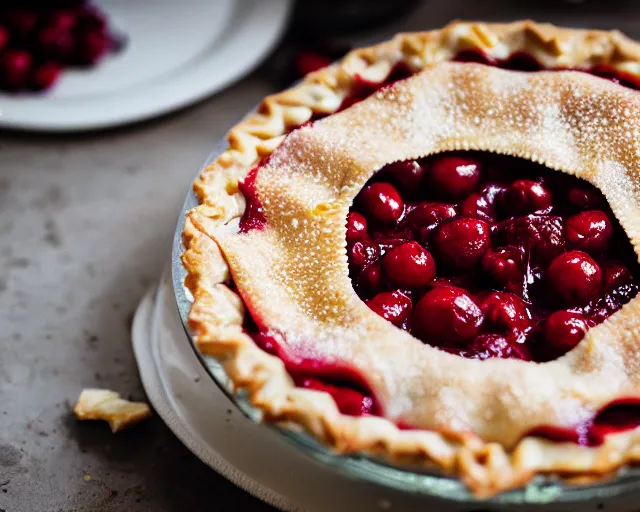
<point x="103" y="404"/>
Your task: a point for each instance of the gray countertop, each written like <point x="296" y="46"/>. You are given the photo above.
<point x="85" y="228"/>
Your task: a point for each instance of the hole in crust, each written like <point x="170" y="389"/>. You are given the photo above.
<point x="486" y="255"/>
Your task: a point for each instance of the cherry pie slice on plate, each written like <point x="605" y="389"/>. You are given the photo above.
<point x="429" y="252"/>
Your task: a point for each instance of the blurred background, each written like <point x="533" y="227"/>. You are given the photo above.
<point x="107" y="111"/>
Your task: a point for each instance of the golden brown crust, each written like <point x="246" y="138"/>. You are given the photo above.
<point x="216" y="316"/>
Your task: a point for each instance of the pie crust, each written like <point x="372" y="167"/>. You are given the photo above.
<point x="471" y="417"/>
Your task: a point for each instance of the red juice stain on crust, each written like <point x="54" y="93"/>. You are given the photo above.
<point x="619" y="77"/>
<point x="363" y="88"/>
<point x="253" y="217"/>
<point x="346" y="386"/>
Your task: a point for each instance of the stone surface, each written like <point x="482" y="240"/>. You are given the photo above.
<point x="85" y="227"/>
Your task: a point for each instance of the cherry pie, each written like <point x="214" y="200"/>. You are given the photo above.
<point x="428" y="252"/>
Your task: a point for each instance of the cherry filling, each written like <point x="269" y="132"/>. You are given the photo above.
<point x="488" y="255"/>
<point x="480" y="255"/>
<point x="362" y="88"/>
<point x="253" y="217"/>
<point x="345" y="385"/>
<point x="519" y="61"/>
<point x="39" y="39"/>
<point x="618" y="416"/>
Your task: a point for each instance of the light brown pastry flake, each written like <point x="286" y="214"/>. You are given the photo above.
<point x="103" y="404"/>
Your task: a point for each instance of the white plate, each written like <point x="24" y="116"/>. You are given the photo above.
<point x="176" y="54"/>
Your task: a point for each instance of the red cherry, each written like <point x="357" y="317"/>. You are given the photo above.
<point x="589" y="231"/>
<point x="45" y="75"/>
<point x="430" y="215"/>
<point x="454" y="177"/>
<point x="90" y="18"/>
<point x="308" y="62"/>
<point x="615" y="275"/>
<point x="542" y="235"/>
<point x="15" y="69"/>
<point x="4" y="37"/>
<point x="382" y="202"/>
<point x="63" y="20"/>
<point x="584" y="198"/>
<point x="364" y="253"/>
<point x="504" y="267"/>
<point x="482" y="205"/>
<point x="56" y="43"/>
<point x="407" y="176"/>
<point x="409" y="266"/>
<point x="356" y="227"/>
<point x="462" y="242"/>
<point x="563" y="330"/>
<point x="425" y="217"/>
<point x="476" y="206"/>
<point x="488" y="346"/>
<point x="371" y="278"/>
<point x="493" y="192"/>
<point x="505" y="313"/>
<point x="443" y="282"/>
<point x="447" y="315"/>
<point x="526" y="196"/>
<point x="91" y="45"/>
<point x="392" y="306"/>
<point x="348" y="400"/>
<point x="575" y="277"/>
<point x="21" y="22"/>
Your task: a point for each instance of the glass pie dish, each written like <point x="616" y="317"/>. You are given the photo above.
<point x="466" y="256"/>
